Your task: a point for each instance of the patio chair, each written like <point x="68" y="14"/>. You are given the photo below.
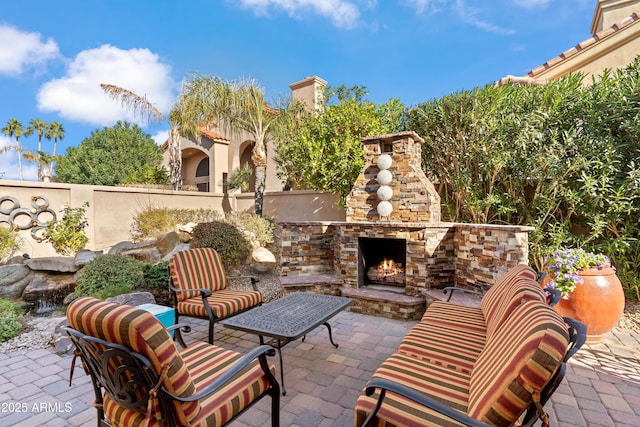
<point x="200" y="288"/>
<point x="141" y="378"/>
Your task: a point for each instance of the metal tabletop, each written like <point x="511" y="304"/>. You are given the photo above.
<point x="290" y="317"/>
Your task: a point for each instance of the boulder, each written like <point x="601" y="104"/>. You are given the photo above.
<point x="46" y="292"/>
<point x="142" y="251"/>
<point x="187" y="228"/>
<point x="57" y="264"/>
<point x="85" y="256"/>
<point x="262" y="259"/>
<point x="134" y="298"/>
<point x="14" y="278"/>
<point x="168" y="242"/>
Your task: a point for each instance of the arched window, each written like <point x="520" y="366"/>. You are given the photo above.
<point x="202" y="175"/>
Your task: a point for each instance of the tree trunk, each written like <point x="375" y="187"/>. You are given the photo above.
<point x="261" y="172"/>
<point x="175" y="160"/>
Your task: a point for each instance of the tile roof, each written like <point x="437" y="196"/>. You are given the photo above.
<point x="598" y="37"/>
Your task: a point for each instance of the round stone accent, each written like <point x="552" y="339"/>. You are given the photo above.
<point x="385" y="192"/>
<point x="384" y="177"/>
<point x="384" y="208"/>
<point x="384" y="161"/>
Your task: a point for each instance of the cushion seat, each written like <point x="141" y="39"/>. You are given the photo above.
<point x="223" y="303"/>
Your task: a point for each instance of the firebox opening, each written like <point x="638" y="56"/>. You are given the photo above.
<point x="381" y="262"/>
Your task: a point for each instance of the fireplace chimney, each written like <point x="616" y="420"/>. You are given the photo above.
<point x="392" y="185"/>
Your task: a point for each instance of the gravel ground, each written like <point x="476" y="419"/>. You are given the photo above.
<point x="39" y="331"/>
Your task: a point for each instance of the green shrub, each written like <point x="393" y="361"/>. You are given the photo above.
<point x="225" y="238"/>
<point x="240" y="177"/>
<point x="153" y="222"/>
<point x="260" y="227"/>
<point x="109" y="275"/>
<point x="9" y="242"/>
<point x="10" y="320"/>
<point x="67" y="235"/>
<point x="156" y="276"/>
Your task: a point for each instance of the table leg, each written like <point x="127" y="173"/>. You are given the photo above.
<point x="330" y="336"/>
<point x="279" y="348"/>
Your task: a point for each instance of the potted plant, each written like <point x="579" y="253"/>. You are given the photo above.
<point x="591" y="291"/>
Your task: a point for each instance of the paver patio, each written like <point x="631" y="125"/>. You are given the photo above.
<point x="602" y="386"/>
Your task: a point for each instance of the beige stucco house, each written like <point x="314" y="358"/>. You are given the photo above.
<point x="207" y="163"/>
<point x="615" y="42"/>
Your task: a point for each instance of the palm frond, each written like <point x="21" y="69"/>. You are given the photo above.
<point x="138" y="105"/>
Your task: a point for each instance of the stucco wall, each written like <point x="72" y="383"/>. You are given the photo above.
<point x="112" y="209"/>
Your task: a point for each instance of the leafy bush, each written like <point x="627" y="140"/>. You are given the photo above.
<point x="67" y="235"/>
<point x="156" y="276"/>
<point x="10" y="320"/>
<point x="153" y="222"/>
<point x="240" y="177"/>
<point x="9" y="242"/>
<point x="109" y="275"/>
<point x="260" y="227"/>
<point x="225" y="238"/>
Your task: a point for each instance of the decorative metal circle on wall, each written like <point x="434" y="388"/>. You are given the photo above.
<point x="36" y="218"/>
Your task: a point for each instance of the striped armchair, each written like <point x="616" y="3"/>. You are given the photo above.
<point x="200" y="287"/>
<point x="141" y="378"/>
<point x="477" y="366"/>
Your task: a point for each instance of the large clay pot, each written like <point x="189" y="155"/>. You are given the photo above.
<point x="598" y="302"/>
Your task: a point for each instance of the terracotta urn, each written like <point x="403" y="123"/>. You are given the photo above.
<point x="598" y="302"/>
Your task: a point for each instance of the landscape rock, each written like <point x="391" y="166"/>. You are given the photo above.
<point x="168" y="242"/>
<point x="85" y="256"/>
<point x="187" y="228"/>
<point x="13" y="279"/>
<point x="263" y="259"/>
<point x="46" y="293"/>
<point x="56" y="264"/>
<point x="142" y="251"/>
<point x="134" y="298"/>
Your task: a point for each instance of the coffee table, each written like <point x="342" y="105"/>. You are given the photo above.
<point x="289" y="318"/>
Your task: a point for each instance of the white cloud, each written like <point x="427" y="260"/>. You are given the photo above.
<point x="78" y="96"/>
<point x="426" y="6"/>
<point x="161" y="137"/>
<point x="530" y="4"/>
<point x="19" y="50"/>
<point x="9" y="163"/>
<point x="343" y="14"/>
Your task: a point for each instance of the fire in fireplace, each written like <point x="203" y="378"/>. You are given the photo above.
<point x="381" y="261"/>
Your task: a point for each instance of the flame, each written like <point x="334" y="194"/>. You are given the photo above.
<point x="388" y="267"/>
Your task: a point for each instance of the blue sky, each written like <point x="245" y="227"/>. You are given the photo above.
<point x="55" y="54"/>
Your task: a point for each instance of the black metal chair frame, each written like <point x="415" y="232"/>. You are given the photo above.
<point x="204" y="294"/>
<point x="577" y="337"/>
<point x="130" y="381"/>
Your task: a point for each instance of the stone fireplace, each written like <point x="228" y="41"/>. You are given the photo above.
<point x="393" y="215"/>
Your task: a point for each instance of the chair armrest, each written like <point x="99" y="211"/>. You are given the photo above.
<point x="179" y="328"/>
<point x="259" y="352"/>
<point x="254" y="280"/>
<point x="422" y="399"/>
<point x="203" y="292"/>
<point x="451" y="289"/>
<point x="553" y="295"/>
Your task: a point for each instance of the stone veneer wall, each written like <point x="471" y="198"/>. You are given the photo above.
<point x="430" y="260"/>
<point x="306" y="248"/>
<point x="438" y="255"/>
<point x="485" y="252"/>
<point x="415" y="199"/>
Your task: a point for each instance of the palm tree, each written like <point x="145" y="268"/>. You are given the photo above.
<point x="237" y="106"/>
<point x="55" y="132"/>
<point x="15" y="129"/>
<point x="141" y="106"/>
<point x="40" y="127"/>
<point x="43" y="159"/>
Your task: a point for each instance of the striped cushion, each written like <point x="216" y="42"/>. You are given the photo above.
<point x="520" y="358"/>
<point x="512" y="293"/>
<point x="206" y="363"/>
<point x="223" y="303"/>
<point x="446" y="385"/>
<point x="496" y="292"/>
<point x="449" y="334"/>
<point x="143" y="333"/>
<point x="197" y="268"/>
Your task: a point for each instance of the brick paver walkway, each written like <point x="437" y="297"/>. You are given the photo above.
<point x="602" y="386"/>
